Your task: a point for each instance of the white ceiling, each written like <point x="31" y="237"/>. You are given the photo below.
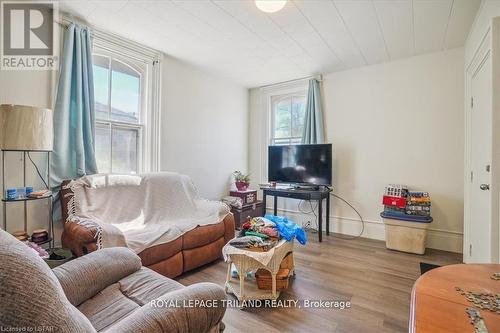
<point x="236" y="40"/>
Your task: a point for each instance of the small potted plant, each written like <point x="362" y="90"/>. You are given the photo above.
<point x="242" y="181"/>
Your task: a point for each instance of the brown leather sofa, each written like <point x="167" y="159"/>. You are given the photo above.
<point x="195" y="248"/>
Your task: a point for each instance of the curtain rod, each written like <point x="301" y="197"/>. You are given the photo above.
<point x="65" y="20"/>
<point x="138" y="49"/>
<point x="318" y="77"/>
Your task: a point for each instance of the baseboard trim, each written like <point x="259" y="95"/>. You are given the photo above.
<point x="451" y="241"/>
<point x="439" y="239"/>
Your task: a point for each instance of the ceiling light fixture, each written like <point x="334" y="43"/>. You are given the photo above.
<point x="270" y="6"/>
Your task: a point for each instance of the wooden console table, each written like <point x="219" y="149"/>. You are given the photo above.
<point x="316" y="195"/>
<point x="437" y="307"/>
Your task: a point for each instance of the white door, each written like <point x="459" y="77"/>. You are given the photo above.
<point x="480" y="226"/>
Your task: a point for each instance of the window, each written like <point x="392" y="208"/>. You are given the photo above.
<point x="287" y="119"/>
<point x="118" y="109"/>
<point x="126" y="87"/>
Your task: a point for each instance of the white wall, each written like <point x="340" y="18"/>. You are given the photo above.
<point x="398" y="122"/>
<point x="204" y="127"/>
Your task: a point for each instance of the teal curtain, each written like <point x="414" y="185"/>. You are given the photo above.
<point x="74" y="119"/>
<point x="313" y="125"/>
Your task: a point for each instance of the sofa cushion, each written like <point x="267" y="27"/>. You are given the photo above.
<point x="108" y="307"/>
<point x="102" y="268"/>
<point x="171" y="267"/>
<point x="146" y="285"/>
<point x="120" y="299"/>
<point x="160" y="252"/>
<point x="203" y="255"/>
<point x="180" y="319"/>
<point x="202" y="235"/>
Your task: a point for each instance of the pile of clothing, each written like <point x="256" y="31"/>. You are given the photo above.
<point x="257" y="234"/>
<point x="263" y="233"/>
<point x="253" y="243"/>
<point x="260" y="227"/>
<point x="288" y="229"/>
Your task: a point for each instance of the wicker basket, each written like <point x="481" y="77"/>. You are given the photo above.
<point x="265" y="282"/>
<point x="287" y="262"/>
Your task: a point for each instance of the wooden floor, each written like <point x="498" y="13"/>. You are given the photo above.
<point x="377" y="281"/>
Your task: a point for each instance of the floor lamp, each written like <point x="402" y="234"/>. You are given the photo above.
<point x="26" y="129"/>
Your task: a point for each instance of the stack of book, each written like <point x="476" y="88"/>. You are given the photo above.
<point x="400" y="202"/>
<point x="394" y="199"/>
<point x="418" y="203"/>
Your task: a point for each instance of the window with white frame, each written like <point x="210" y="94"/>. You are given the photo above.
<point x="287" y="118"/>
<point x="123" y="111"/>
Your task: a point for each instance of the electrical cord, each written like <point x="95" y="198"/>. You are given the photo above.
<point x="313" y="211"/>
<point x="307" y="226"/>
<point x="357" y="212"/>
<point x="38" y="171"/>
<point x="51" y="205"/>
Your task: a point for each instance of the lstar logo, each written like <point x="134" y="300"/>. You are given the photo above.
<point x="28" y="36"/>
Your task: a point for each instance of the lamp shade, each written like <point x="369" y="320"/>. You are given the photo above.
<point x="26" y="128"/>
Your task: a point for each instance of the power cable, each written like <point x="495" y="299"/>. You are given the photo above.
<point x="313" y="211"/>
<point x="38" y="171"/>
<point x="357" y="212"/>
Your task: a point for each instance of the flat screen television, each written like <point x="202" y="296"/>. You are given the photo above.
<point x="301" y="164"/>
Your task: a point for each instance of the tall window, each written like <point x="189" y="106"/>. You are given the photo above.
<point x="119" y="93"/>
<point x="287" y="119"/>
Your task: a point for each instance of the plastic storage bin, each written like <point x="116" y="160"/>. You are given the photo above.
<point x="406" y="234"/>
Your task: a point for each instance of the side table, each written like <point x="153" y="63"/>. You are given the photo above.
<point x="247" y="261"/>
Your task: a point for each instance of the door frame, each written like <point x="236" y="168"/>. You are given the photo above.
<point x="488" y="48"/>
<point x="495" y="66"/>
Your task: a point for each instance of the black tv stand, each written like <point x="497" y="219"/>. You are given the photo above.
<point x="319" y="194"/>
